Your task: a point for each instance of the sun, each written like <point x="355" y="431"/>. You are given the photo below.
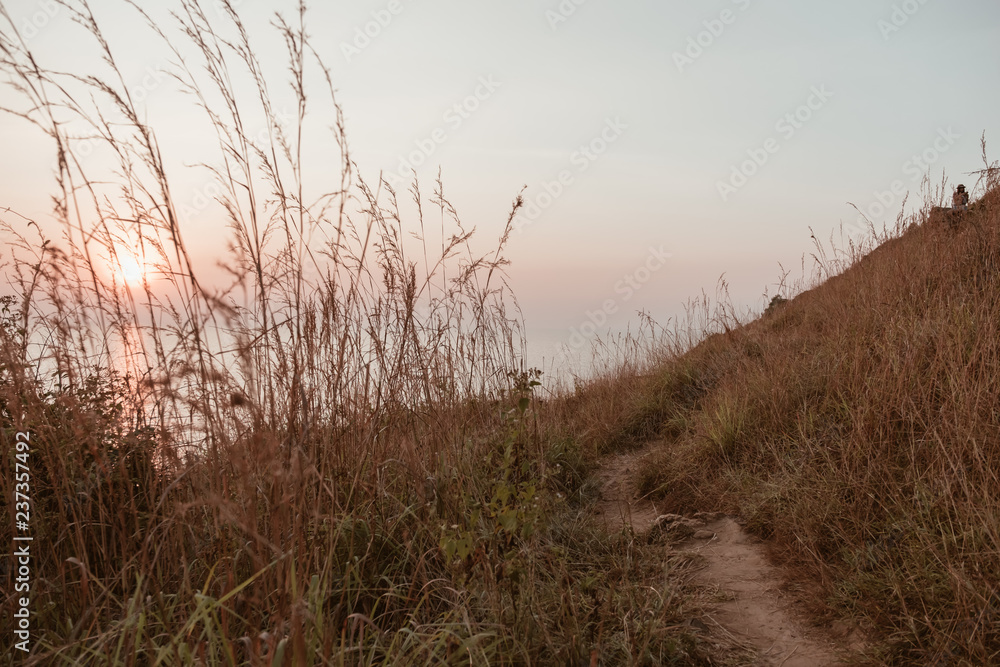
<point x="130" y="266"/>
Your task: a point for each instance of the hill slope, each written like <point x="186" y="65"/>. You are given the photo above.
<point x="857" y="427"/>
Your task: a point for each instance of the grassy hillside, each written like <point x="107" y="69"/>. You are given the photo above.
<point x="335" y="456"/>
<point x="332" y="457"/>
<point x="857" y="428"/>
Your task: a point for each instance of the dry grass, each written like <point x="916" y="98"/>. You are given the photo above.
<point x="339" y="458"/>
<point x="856" y="427"/>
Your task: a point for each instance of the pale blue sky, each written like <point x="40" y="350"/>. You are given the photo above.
<point x="680" y="133"/>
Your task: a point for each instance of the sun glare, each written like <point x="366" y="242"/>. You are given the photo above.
<point x="130" y="267"/>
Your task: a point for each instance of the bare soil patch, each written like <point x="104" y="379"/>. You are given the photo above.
<point x="746" y="603"/>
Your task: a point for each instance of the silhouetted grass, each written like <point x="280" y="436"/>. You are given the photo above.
<point x="336" y="459"/>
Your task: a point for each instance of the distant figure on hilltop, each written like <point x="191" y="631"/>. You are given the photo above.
<point x="960" y="201"/>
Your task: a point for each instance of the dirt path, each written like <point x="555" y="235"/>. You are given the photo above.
<point x="746" y="601"/>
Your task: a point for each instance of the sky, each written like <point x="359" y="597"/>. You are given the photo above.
<point x="663" y="145"/>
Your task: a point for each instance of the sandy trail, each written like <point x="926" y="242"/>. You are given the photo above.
<point x="748" y="605"/>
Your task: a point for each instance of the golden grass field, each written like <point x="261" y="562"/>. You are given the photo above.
<point x="340" y="460"/>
